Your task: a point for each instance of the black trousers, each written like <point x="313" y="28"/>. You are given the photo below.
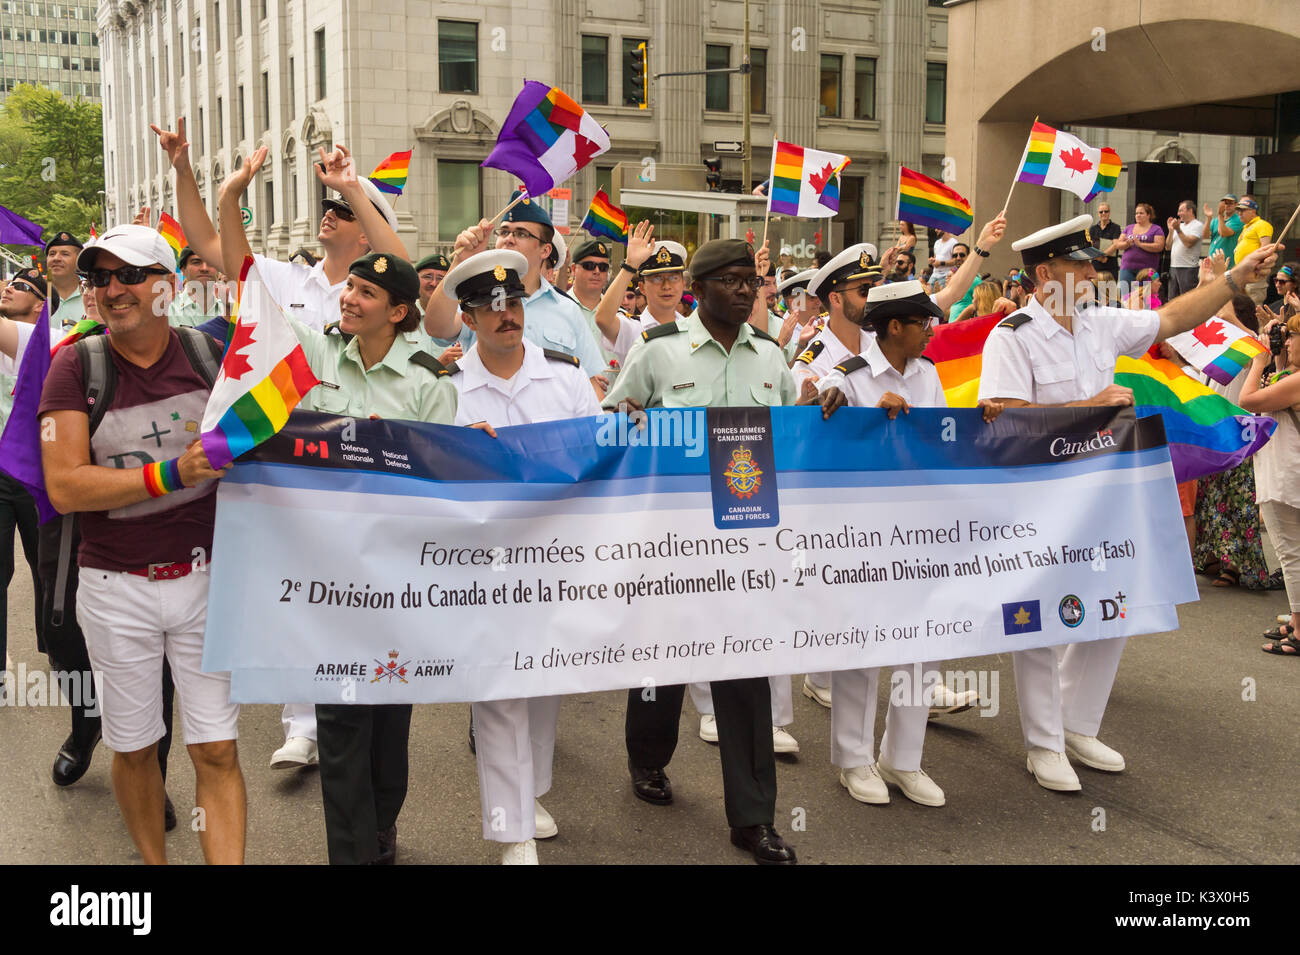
<point x="743" y="710"/>
<point x="63" y="642"/>
<point x="363" y="773"/>
<point x="17" y="512"/>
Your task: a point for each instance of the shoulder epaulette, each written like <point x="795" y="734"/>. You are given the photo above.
<point x="667" y="328"/>
<point x="812" y="351"/>
<point x="850" y="365"/>
<point x="333" y="329"/>
<point x="759" y="333"/>
<point x="425" y="360"/>
<point x="453" y="368"/>
<point x="1015" y="321"/>
<point x="927" y="358"/>
<point x="565" y="357"/>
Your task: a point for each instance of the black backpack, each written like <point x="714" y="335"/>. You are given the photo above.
<point x="99" y="381"/>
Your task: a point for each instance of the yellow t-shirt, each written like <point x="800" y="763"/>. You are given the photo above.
<point x="1252" y="237"/>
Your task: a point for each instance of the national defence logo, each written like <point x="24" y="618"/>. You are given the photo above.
<point x="1071" y="611"/>
<point x="1022" y="617"/>
<point x="744" y="477"/>
<point x="392" y="670"/>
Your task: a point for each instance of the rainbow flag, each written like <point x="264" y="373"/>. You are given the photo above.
<point x="926" y="202"/>
<point x="1060" y="161"/>
<point x="170" y="230"/>
<point x="546" y="138"/>
<point x="390" y="175"/>
<point x="1207" y="433"/>
<point x="83" y="329"/>
<point x="1220" y="349"/>
<point x="264" y="375"/>
<point x="804" y="182"/>
<point x="605" y="218"/>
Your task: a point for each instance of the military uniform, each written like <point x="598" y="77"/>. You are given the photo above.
<point x="666" y="257"/>
<point x="1030" y="356"/>
<point x="72" y="309"/>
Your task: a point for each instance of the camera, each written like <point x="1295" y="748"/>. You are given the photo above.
<point x="1276" y="339"/>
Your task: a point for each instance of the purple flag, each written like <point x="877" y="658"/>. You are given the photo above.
<point x="15" y="230"/>
<point x="546" y="139"/>
<point x="20" y="445"/>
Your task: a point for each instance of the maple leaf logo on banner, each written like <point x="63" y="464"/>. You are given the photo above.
<point x="1211" y="333"/>
<point x="1075" y="160"/>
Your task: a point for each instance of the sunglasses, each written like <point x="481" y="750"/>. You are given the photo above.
<point x="347" y="215"/>
<point x="517" y="234"/>
<point x="126" y="275"/>
<point x="18" y="285"/>
<point x="594" y="266"/>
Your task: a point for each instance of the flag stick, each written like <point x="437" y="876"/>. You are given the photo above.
<point x="1015" y="176"/>
<point x="518" y="199"/>
<point x="765" y="215"/>
<point x="1277" y="236"/>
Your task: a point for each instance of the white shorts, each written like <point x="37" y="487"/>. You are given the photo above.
<point x="129" y="622"/>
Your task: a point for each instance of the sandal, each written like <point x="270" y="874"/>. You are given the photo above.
<point x="1228" y="577"/>
<point x="1280" y="632"/>
<point x="1286" y="647"/>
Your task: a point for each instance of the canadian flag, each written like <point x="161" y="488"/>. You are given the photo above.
<point x="312" y="449"/>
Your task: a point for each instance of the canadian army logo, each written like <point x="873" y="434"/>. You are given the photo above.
<point x="390" y="671"/>
<point x="744" y="477"/>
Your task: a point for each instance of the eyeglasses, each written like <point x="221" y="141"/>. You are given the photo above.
<point x="862" y="289"/>
<point x="662" y="278"/>
<point x="517" y="234"/>
<point x="731" y="282"/>
<point x="126" y="275"/>
<point x="594" y="266"/>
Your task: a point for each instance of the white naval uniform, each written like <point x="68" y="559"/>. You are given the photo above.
<point x="1040" y="362"/>
<point x="515" y="739"/>
<point x="630" y="328"/>
<point x="831" y="355"/>
<point x="853" y="692"/>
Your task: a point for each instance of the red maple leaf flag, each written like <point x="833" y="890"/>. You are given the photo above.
<point x="1209" y="333"/>
<point x="1075" y="160"/>
<point x="818" y="180"/>
<point x="236" y="365"/>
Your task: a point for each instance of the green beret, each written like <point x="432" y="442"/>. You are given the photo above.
<point x="390" y="273"/>
<point x="436" y="261"/>
<point x="591" y="247"/>
<point x="527" y="211"/>
<point x="716" y="254"/>
<point x="186" y="254"/>
<point x="64" y="238"/>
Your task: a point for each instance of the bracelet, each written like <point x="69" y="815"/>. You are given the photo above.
<point x="1232" y="283"/>
<point x="163" y="477"/>
<point x="980" y="252"/>
<point x="624" y="266"/>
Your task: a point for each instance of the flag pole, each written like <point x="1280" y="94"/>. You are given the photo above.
<point x="523" y="194"/>
<point x="1015" y="176"/>
<point x="1277" y="236"/>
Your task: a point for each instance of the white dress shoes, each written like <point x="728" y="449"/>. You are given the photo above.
<point x="296" y="751"/>
<point x="865" y="785"/>
<point x="520" y="853"/>
<point x="916" y="786"/>
<point x="1093" y="753"/>
<point x="546" y="827"/>
<point x="1052" y="770"/>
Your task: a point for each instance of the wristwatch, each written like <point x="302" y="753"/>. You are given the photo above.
<point x="980" y="252"/>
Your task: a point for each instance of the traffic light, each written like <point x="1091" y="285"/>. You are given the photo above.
<point x="713" y="178"/>
<point x="639" y="83"/>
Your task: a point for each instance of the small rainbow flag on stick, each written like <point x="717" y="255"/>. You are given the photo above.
<point x="1061" y="161"/>
<point x="390" y="175"/>
<point x="170" y="230"/>
<point x="804" y="182"/>
<point x="925" y="202"/>
<point x="1218" y="348"/>
<point x="605" y="218"/>
<point x="264" y="375"/>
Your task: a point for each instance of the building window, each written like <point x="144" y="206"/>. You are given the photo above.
<point x="201" y="150"/>
<point x="605" y="178"/>
<point x="262" y="5"/>
<point x="293" y="196"/>
<point x="457" y="57"/>
<point x="239" y="17"/>
<point x="242" y="130"/>
<point x="936" y="92"/>
<point x="595" y="69"/>
<point x="631" y="94"/>
<point x="830" y="84"/>
<point x="460" y="201"/>
<point x="320" y="63"/>
<point x="266" y="100"/>
<point x="717" y="86"/>
<point x="864" y="87"/>
<point x="757" y="81"/>
<point x="198" y="40"/>
<point x="216" y="27"/>
<point x="293" y="91"/>
<point x="167" y="65"/>
<point x="221" y="132"/>
<point x="270" y="203"/>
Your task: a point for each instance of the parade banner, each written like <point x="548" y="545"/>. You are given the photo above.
<point x="376" y="561"/>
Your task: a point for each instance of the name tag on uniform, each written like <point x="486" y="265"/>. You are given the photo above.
<point x="330" y="384"/>
<point x="297" y="305"/>
<point x="685" y="384"/>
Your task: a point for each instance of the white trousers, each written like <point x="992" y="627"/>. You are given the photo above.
<point x="853" y="721"/>
<point x="299" y="719"/>
<point x="1283" y="523"/>
<point x="782" y="699"/>
<point x="1065" y="688"/>
<point x="515" y="745"/>
<point x="820" y="680"/>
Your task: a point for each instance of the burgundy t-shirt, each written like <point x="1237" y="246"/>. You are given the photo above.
<point x="155" y="413"/>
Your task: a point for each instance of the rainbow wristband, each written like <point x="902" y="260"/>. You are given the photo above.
<point x="163" y="477"/>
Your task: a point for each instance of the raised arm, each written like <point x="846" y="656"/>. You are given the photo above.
<point x="338" y="171"/>
<point x="1191" y="308"/>
<point x="961" y="280"/>
<point x="441" y="318"/>
<point x="234" y="242"/>
<point x="639" y="243"/>
<point x="195" y="222"/>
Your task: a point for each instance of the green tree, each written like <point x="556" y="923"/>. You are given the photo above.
<point x="51" y="159"/>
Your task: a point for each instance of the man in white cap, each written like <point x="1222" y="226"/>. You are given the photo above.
<point x="658" y="268"/>
<point x="890" y="373"/>
<point x="505" y="379"/>
<point x="1060" y="350"/>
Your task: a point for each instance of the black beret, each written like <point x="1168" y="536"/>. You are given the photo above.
<point x="390" y="273"/>
<point x="717" y="254"/>
<point x="591" y="247"/>
<point x="436" y="261"/>
<point x="64" y="238"/>
<point x="35" y="279"/>
<point x="527" y="211"/>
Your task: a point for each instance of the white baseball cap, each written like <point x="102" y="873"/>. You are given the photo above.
<point x="136" y="245"/>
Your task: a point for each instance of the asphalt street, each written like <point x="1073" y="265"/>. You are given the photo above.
<point x="1210" y="775"/>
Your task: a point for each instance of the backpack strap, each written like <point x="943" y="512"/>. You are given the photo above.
<point x="203" y="351"/>
<point x="98" y="376"/>
<point x="68" y="528"/>
<point x="425" y="360"/>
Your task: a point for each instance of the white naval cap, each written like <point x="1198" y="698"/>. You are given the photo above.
<point x="796" y="281"/>
<point x="474" y="282"/>
<point x="855" y="262"/>
<point x="667" y="256"/>
<point x="561" y="250"/>
<point x="1066" y="240"/>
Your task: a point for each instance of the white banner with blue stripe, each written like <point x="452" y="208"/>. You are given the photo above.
<point x="396" y="562"/>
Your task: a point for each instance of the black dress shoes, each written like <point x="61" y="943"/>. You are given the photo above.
<point x="73" y="759"/>
<point x="169" y="814"/>
<point x="651" y="785"/>
<point x="766" y="846"/>
<point x="387" y="847"/>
